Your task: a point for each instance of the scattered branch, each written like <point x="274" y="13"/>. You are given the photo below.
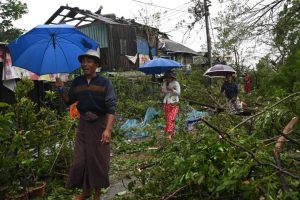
<point x="142" y="167"/>
<point x="174" y="193"/>
<point x="278" y="148"/>
<point x="283" y="181"/>
<point x="280" y="101"/>
<point x="221" y="133"/>
<point x="289" y="127"/>
<point x="219" y="109"/>
<point x="213" y="99"/>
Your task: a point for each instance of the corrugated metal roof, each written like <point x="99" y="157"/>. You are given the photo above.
<point x="172" y="46"/>
<point x="97" y="32"/>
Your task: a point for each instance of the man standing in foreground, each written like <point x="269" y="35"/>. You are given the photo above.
<point x="96" y="105"/>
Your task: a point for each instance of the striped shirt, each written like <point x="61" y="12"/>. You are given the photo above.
<point x="97" y="96"/>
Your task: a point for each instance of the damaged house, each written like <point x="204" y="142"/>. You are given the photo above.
<point x="124" y="44"/>
<point x="175" y="51"/>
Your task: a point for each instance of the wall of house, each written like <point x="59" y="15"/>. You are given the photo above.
<point x="116" y="41"/>
<point x="98" y="32"/>
<point x="122" y="42"/>
<point x="143" y="50"/>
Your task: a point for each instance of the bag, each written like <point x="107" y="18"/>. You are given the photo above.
<point x="89" y="116"/>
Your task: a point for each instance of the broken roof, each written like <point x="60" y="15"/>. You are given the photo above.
<point x="174" y="47"/>
<point x="66" y="14"/>
<point x="79" y="17"/>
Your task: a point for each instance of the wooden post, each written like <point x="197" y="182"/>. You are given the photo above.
<point x="206" y="14"/>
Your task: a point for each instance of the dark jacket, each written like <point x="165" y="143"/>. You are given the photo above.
<point x="231" y="89"/>
<point x="98" y="96"/>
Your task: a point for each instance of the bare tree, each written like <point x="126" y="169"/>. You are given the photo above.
<point x="245" y="21"/>
<point x="149" y="28"/>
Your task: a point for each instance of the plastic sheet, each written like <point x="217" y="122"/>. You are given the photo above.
<point x="135" y="129"/>
<point x="194" y="117"/>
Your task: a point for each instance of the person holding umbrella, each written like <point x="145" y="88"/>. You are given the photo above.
<point x="96" y="105"/>
<point x="171" y="89"/>
<point x="230" y="90"/>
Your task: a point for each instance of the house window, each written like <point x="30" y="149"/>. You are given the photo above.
<point x="123" y="47"/>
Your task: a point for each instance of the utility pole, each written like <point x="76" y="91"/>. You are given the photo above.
<point x="207" y="3"/>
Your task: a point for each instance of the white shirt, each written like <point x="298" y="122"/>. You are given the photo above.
<point x="172" y="96"/>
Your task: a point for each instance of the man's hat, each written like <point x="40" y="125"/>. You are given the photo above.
<point x="92" y="54"/>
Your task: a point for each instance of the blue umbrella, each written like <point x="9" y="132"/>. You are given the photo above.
<point x="158" y="66"/>
<point x="50" y="49"/>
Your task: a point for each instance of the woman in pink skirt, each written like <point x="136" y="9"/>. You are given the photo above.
<point x="171" y="89"/>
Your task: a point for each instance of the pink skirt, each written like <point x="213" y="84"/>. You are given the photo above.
<point x="171" y="111"/>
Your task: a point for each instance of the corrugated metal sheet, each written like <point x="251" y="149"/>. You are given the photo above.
<point x="97" y="32"/>
<point x="142" y="47"/>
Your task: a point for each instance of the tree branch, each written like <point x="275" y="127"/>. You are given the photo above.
<point x="288" y="128"/>
<point x="280" y="101"/>
<point x="278" y="148"/>
<point x="204" y="104"/>
<point x="221" y="133"/>
<point x="174" y="193"/>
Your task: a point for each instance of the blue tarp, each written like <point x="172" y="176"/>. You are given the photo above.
<point x="134" y="129"/>
<point x="194" y="117"/>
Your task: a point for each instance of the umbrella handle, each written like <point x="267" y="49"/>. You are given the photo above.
<point x="53" y="40"/>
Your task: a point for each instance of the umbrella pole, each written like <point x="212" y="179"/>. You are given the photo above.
<point x="153" y="77"/>
<point x="152" y="85"/>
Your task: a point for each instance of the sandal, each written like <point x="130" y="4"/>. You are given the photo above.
<point x="82" y="196"/>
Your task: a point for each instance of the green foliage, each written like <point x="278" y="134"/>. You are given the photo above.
<point x="29" y="140"/>
<point x="6" y="121"/>
<point x="142" y="93"/>
<point x="286" y="30"/>
<point x="202" y="165"/>
<point x="287" y="78"/>
<point x="271" y="122"/>
<point x="10" y="10"/>
<point x="23" y="87"/>
<point x="263" y="72"/>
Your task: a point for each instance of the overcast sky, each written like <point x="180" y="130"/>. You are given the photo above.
<point x="41" y="10"/>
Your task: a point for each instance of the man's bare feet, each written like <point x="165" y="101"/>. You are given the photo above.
<point x="97" y="194"/>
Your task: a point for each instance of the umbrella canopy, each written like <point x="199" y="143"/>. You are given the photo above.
<point x="159" y="65"/>
<point x="50" y="49"/>
<point x="219" y="71"/>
